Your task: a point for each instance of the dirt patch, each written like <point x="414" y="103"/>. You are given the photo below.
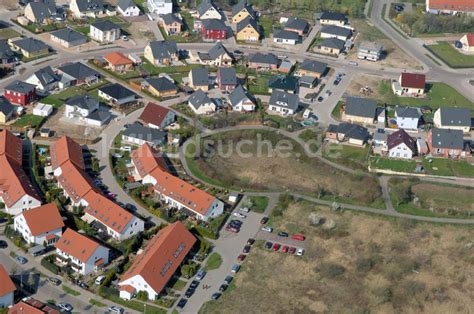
<point x="364" y="264"/>
<point x="368" y="82"/>
<point x="141" y="32"/>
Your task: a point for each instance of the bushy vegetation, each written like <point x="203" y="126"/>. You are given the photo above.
<point x="432" y="24"/>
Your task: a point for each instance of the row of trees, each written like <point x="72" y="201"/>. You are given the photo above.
<point x="431" y="23"/>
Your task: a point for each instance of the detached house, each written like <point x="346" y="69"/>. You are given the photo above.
<point x="241" y="100"/>
<point x="160" y="7"/>
<point x="39" y="12"/>
<point x="218" y="56"/>
<point x="331" y="46"/>
<point x="360" y="110"/>
<point x="68" y="38"/>
<point x="332" y="31"/>
<point x="41" y="225"/>
<point x="104" y="31"/>
<point x="87" y="8"/>
<point x="408" y="118"/>
<point x="81" y="253"/>
<point x="401" y="145"/>
<point x="138" y="134"/>
<point x="467" y="42"/>
<point x="8" y="59"/>
<point x="262" y="61"/>
<point x="161" y="52"/>
<point x="297" y="25"/>
<point x="128" y="8"/>
<point x="370" y="51"/>
<point x="207" y="10"/>
<point x="161" y="258"/>
<point x="410" y="84"/>
<point x="199" y="79"/>
<point x="200" y="103"/>
<point x="30" y="47"/>
<point x="85" y="108"/>
<point x="213" y="30"/>
<point x="16" y="190"/>
<point x="333" y="18"/>
<point x="448" y="143"/>
<point x="117" y="94"/>
<point x="172" y="24"/>
<point x="161" y="86"/>
<point x="20" y="93"/>
<point x="6" y="110"/>
<point x="241" y="11"/>
<point x="226" y="79"/>
<point x="312" y="68"/>
<point x="76" y="74"/>
<point x="347" y="132"/>
<point x="7" y="289"/>
<point x="248" y="30"/>
<point x="118" y="62"/>
<point x="453" y="118"/>
<point x="156" y="116"/>
<point x="44" y="79"/>
<point x="283" y="103"/>
<point x="285" y="83"/>
<point x="286" y="37"/>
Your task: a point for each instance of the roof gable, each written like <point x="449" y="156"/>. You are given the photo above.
<point x="7" y="285"/>
<point x="43" y="219"/>
<point x="412" y="80"/>
<point x="77" y="245"/>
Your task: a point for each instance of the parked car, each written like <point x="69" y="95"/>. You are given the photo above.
<point x="235" y="222"/>
<point x="20" y="259"/>
<point x="54" y="281"/>
<point x="189" y="292"/>
<point x="99" y="280"/>
<point x="300" y="252"/>
<point x="65" y="306"/>
<point x="276" y="247"/>
<point x="291" y="250"/>
<point x="268" y="245"/>
<point x="337" y="81"/>
<point x="240" y="215"/>
<point x="245" y="209"/>
<point x="116" y="309"/>
<point x="200" y="275"/>
<point x="284" y="249"/>
<point x="194" y="284"/>
<point x="235" y="268"/>
<point x="250" y="241"/>
<point x="182" y="303"/>
<point x="283" y="234"/>
<point x="228" y="279"/>
<point x="83" y="285"/>
<point x="238" y="53"/>
<point x="3" y="244"/>
<point x="267" y="229"/>
<point x="241" y="257"/>
<point x="298" y="237"/>
<point x="320" y="98"/>
<point x="215" y="296"/>
<point x="246" y="249"/>
<point x="353" y="63"/>
<point x="223" y="287"/>
<point x="126" y="148"/>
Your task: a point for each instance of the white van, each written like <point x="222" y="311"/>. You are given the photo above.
<point x="99" y="280"/>
<point x="245" y="209"/>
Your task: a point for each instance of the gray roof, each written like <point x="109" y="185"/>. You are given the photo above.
<point x="361" y="107"/>
<point x="89" y="5"/>
<point x="171" y="18"/>
<point x="237" y="95"/>
<point x="83" y="101"/>
<point x="47" y="76"/>
<point x="248" y="21"/>
<point x="105" y="25"/>
<point x="285" y="100"/>
<point x="333" y="43"/>
<point x="5" y="51"/>
<point x="42" y="10"/>
<point x="163" y="49"/>
<point x="336" y="30"/>
<point x="199" y="98"/>
<point x="455" y="117"/>
<point x="117" y="91"/>
<point x="267" y="58"/>
<point x="314" y="66"/>
<point x="447" y="138"/>
<point x="136" y="130"/>
<point x="125" y="4"/>
<point x="370" y="46"/>
<point x="408" y="112"/>
<point x="228" y="76"/>
<point x="30" y="44"/>
<point x="204" y="6"/>
<point x="283" y="82"/>
<point x="216" y="51"/>
<point x="297" y="23"/>
<point x="335" y="16"/>
<point x="286" y="35"/>
<point x="200" y="76"/>
<point x="243" y="4"/>
<point x="161" y="84"/>
<point x="99" y="115"/>
<point x="78" y="70"/>
<point x="6" y="107"/>
<point x="20" y="87"/>
<point x="68" y="35"/>
<point x="350" y="130"/>
<point x="214" y="24"/>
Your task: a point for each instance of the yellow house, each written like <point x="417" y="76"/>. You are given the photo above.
<point x="6" y="110"/>
<point x="161" y="87"/>
<point x="248" y="30"/>
<point x="30" y="47"/>
<point x="240" y="11"/>
<point x="161" y="52"/>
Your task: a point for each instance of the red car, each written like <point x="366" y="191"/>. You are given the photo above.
<point x="276" y="247"/>
<point x="241" y="257"/>
<point x="291" y="250"/>
<point x="298" y="237"/>
<point x="284" y="249"/>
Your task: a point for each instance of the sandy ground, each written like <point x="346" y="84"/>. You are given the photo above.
<point x="365" y="80"/>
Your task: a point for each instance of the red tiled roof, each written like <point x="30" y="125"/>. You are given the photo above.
<point x="453" y="5"/>
<point x="117" y="58"/>
<point x="162" y="256"/>
<point x="413" y="80"/>
<point x="146" y="159"/>
<point x="31" y="306"/>
<point x="7" y="285"/>
<point x="74" y="181"/>
<point x="470" y="39"/>
<point x="66" y="149"/>
<point x="50" y="237"/>
<point x="11" y="146"/>
<point x="77" y="245"/>
<point x="43" y="219"/>
<point x="154" y="114"/>
<point x="127" y="288"/>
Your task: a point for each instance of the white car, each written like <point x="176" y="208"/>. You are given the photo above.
<point x="300" y="252"/>
<point x="126" y="148"/>
<point x="267" y="229"/>
<point x="244" y="209"/>
<point x="237" y="214"/>
<point x="66" y="307"/>
<point x="115" y="309"/>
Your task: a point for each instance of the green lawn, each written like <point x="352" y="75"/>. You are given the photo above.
<point x="142" y="5"/>
<point x="267" y="24"/>
<point x="71" y="291"/>
<point x="97" y="303"/>
<point x="83" y="29"/>
<point x="350" y="156"/>
<point x="393" y="164"/>
<point x="179" y="285"/>
<point x="259" y="203"/>
<point x="449" y="55"/>
<point x="259" y="85"/>
<point x="154" y="70"/>
<point x="7" y="33"/>
<point x="214" y="261"/>
<point x="58" y="99"/>
<point x="336" y="112"/>
<point x="28" y="120"/>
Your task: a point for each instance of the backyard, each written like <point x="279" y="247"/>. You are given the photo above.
<point x="449" y="55"/>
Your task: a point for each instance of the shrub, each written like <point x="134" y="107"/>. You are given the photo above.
<point x="364" y="265"/>
<point x="189" y="270"/>
<point x="46" y="263"/>
<point x="331" y="270"/>
<point x="142" y="295"/>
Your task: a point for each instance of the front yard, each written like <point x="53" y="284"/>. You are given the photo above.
<point x="449" y="55"/>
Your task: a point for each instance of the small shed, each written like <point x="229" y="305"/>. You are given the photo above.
<point x="233" y="197"/>
<point x="43" y="110"/>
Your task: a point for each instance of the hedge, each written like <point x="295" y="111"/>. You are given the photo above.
<point x="50" y="266"/>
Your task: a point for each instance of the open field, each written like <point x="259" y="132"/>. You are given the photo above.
<point x="266" y="165"/>
<point x="365" y="264"/>
<point x="449" y="55"/>
<point x="349" y="156"/>
<point x="7" y="33"/>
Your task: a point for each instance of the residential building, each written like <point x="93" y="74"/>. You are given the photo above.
<point x="16" y="190"/>
<point x="333" y="18"/>
<point x="87" y="8"/>
<point x="297" y="25"/>
<point x="8" y="59"/>
<point x="408" y="118"/>
<point x="29" y="305"/>
<point x="118" y="62"/>
<point x="85" y="108"/>
<point x="81" y="253"/>
<point x="448" y="143"/>
<point x="7" y="288"/>
<point x="77" y="74"/>
<point x="160" y="7"/>
<point x="6" y="110"/>
<point x="241" y="100"/>
<point x="200" y="103"/>
<point x="261" y="61"/>
<point x="45" y="80"/>
<point x="128" y="8"/>
<point x="331" y="46"/>
<point x="41" y="225"/>
<point x="20" y="93"/>
<point x="332" y="31"/>
<point x="286" y="37"/>
<point x="161" y="86"/>
<point x="312" y="68"/>
<point x="453" y="118"/>
<point x="242" y="10"/>
<point x="347" y="132"/>
<point x="450" y="7"/>
<point x="104" y="31"/>
<point x="308" y="81"/>
<point x="43" y="110"/>
<point x="410" y="84"/>
<point x="177" y="193"/>
<point x="156" y="116"/>
<point x="138" y="134"/>
<point x="248" y="30"/>
<point x="161" y="258"/>
<point x="117" y="94"/>
<point x="285" y="83"/>
<point x="68" y="38"/>
<point x="213" y="30"/>
<point x="30" y="47"/>
<point x="401" y="145"/>
<point x="226" y="79"/>
<point x="283" y="103"/>
<point x="359" y="110"/>
<point x="218" y="56"/>
<point x="39" y="12"/>
<point x="199" y="79"/>
<point x="370" y="51"/>
<point x="172" y="24"/>
<point x="467" y="42"/>
<point x="208" y="10"/>
<point x="161" y="52"/>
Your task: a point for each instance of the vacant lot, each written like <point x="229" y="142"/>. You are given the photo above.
<point x="350" y="156"/>
<point x="453" y="58"/>
<point x="365" y="264"/>
<point x="274" y="162"/>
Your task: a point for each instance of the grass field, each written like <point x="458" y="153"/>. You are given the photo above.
<point x="364" y="264"/>
<point x="71" y="291"/>
<point x="7" y="33"/>
<point x="259" y="203"/>
<point x="214" y="261"/>
<point x="350" y="156"/>
<point x="453" y="58"/>
<point x="28" y="120"/>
